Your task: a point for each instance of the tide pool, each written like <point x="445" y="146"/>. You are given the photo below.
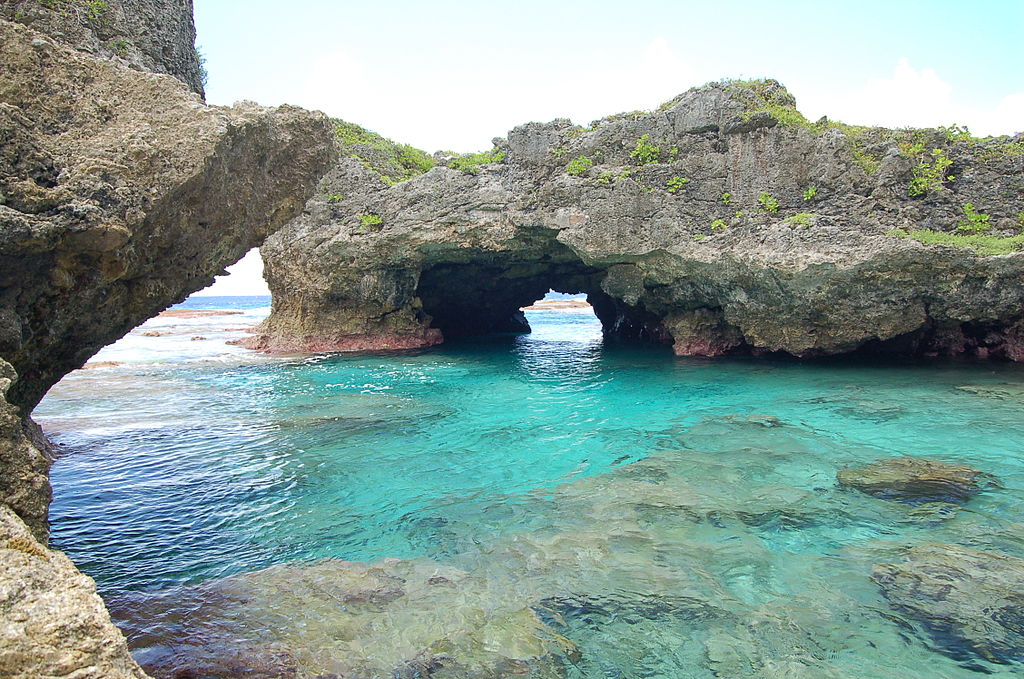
<point x="666" y="517"/>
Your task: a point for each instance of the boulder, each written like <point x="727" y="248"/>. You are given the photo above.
<point x="915" y="479"/>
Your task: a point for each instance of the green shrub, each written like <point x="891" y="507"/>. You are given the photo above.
<point x="801" y="218"/>
<point x="956" y="133"/>
<point x="470" y="162"/>
<point x="391" y="161"/>
<point x="645" y="152"/>
<point x="579" y="167"/>
<point x="929" y="175"/>
<point x="676" y="183"/>
<point x="718" y="225"/>
<point x="973" y="222"/>
<point x="867" y="162"/>
<point x="120" y="48"/>
<point x="605" y="177"/>
<point x="368" y="220"/>
<point x="767" y="203"/>
<point x="911" y="149"/>
<point x="335" y="198"/>
<point x="699" y="237"/>
<point x="810" y="193"/>
<point x="726" y="198"/>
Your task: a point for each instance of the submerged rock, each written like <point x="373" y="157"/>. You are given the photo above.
<point x="971" y="602"/>
<point x="723" y="222"/>
<point x="915" y="479"/>
<point x="337" y="618"/>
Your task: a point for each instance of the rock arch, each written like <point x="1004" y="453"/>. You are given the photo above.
<point x="722" y="222"/>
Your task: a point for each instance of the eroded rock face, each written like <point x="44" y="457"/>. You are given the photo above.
<point x="121" y="195"/>
<point x="915" y="479"/>
<point x="52" y="622"/>
<point x="961" y="595"/>
<point x="723" y="222"/>
<point x="152" y="35"/>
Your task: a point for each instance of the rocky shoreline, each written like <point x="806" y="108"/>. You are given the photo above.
<point x="723" y="222"/>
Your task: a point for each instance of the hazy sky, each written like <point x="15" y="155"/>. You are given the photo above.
<point x="453" y="75"/>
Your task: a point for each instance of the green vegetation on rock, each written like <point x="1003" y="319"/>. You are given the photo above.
<point x="369" y="222"/>
<point x="726" y="198"/>
<point x="930" y="173"/>
<point x="983" y="244"/>
<point x="767" y="203"/>
<point x="470" y="163"/>
<point x="391" y="161"/>
<point x="718" y="225"/>
<point x="645" y="153"/>
<point x="606" y="177"/>
<point x="801" y="218"/>
<point x="767" y="96"/>
<point x="867" y="162"/>
<point x="810" y="192"/>
<point x="676" y="183"/>
<point x="973" y="221"/>
<point x="93" y="9"/>
<point x="579" y="167"/>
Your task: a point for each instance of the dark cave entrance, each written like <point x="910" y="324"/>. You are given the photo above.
<point x="484" y="294"/>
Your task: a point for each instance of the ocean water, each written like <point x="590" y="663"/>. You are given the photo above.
<point x="536" y="505"/>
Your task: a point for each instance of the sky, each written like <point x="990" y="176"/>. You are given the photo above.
<point x="453" y="75"/>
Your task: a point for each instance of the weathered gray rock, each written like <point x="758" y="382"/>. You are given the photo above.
<point x="975" y="599"/>
<point x="121" y="193"/>
<point x="24" y="462"/>
<point x="151" y="35"/>
<point x="52" y="622"/>
<point x="688" y="249"/>
<point x="914" y="478"/>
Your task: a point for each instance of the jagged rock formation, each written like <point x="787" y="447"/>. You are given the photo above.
<point x="723" y="222"/>
<point x="120" y="194"/>
<point x="151" y="35"/>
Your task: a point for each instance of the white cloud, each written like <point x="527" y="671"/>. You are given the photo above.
<point x="913" y="97"/>
<point x="468" y="107"/>
<point x="245" y="277"/>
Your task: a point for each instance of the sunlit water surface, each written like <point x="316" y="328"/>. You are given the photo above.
<point x="566" y="508"/>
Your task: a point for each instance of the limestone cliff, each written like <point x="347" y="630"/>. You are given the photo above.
<point x="722" y="222"/>
<point x="151" y="35"/>
<point x="120" y="194"/>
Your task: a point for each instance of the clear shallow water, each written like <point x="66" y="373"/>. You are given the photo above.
<point x="668" y="517"/>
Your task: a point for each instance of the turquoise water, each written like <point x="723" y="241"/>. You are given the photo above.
<point x="619" y="511"/>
